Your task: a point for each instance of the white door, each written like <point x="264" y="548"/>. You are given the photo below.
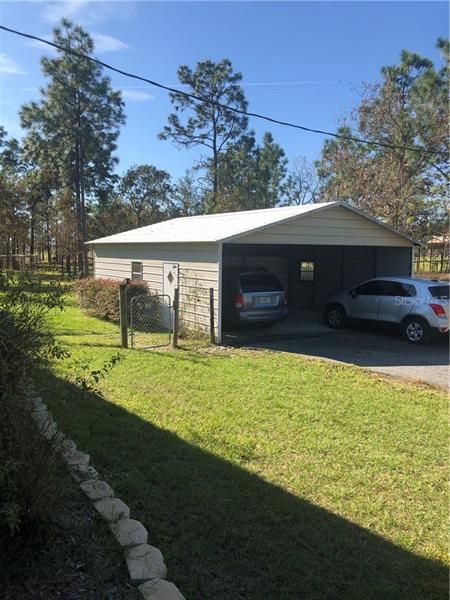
<point x="170" y="279"/>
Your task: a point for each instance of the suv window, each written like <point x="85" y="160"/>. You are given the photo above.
<point x="372" y="288"/>
<point x="405" y="290"/>
<point x="440" y="291"/>
<point x="260" y="282"/>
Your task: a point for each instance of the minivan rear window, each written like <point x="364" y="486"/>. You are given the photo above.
<point x="440" y="291"/>
<point x="260" y="282"/>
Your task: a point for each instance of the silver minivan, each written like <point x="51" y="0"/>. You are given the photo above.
<point x="252" y="296"/>
<point x="419" y="307"/>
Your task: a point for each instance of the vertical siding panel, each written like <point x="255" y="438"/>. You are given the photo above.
<point x="328" y="273"/>
<point x="392" y="262"/>
<point x="359" y="264"/>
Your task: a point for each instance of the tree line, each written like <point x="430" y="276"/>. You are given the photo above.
<point x="59" y="186"/>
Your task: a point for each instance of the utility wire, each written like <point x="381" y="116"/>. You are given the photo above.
<point x="218" y="104"/>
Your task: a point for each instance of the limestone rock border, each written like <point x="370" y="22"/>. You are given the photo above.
<point x="145" y="563"/>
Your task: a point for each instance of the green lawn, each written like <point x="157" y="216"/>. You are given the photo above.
<point x="262" y="475"/>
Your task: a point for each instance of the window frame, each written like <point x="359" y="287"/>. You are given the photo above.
<point x="310" y="271"/>
<point x="137" y="275"/>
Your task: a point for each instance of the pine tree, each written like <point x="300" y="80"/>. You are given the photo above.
<point x="209" y="124"/>
<point x="77" y="121"/>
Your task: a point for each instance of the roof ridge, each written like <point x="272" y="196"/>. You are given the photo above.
<point x="244" y="212"/>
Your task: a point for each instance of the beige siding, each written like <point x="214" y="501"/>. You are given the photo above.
<point x="198" y="272"/>
<point x="195" y="283"/>
<point x="331" y="226"/>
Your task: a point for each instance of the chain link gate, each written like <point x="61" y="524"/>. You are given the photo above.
<point x="151" y="321"/>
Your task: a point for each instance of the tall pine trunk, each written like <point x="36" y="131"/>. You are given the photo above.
<point x="83" y="217"/>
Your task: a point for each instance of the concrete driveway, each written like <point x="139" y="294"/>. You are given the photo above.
<point x="382" y="351"/>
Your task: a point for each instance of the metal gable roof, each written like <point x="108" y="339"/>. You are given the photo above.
<point x="221" y="227"/>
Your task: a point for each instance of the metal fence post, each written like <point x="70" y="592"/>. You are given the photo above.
<point x="123" y="314"/>
<point x="176" y="308"/>
<point x="211" y="316"/>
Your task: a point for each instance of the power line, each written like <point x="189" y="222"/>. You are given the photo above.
<point x="218" y="104"/>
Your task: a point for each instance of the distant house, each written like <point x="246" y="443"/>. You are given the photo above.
<point x="314" y="249"/>
<point x="438" y="240"/>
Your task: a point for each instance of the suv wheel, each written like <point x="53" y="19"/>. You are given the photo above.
<point x="335" y="316"/>
<point x="416" y="330"/>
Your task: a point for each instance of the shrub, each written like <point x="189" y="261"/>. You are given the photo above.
<point x="100" y="297"/>
<point x="27" y="482"/>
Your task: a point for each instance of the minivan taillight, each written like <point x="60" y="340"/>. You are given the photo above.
<point x="238" y="301"/>
<point x="438" y="310"/>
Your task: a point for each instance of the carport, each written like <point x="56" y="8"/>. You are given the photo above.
<point x="324" y="248"/>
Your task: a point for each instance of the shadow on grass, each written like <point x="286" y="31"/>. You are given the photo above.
<point x="226" y="533"/>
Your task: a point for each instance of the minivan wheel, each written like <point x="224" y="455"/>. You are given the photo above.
<point x="416" y="330"/>
<point x="335" y="316"/>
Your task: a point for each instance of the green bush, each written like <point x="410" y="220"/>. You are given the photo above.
<point x="100" y="297"/>
<point x="27" y="473"/>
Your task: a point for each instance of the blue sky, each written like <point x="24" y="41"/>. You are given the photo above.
<point x="302" y="61"/>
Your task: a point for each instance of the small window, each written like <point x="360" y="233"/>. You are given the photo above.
<point x="136" y="270"/>
<point x="306" y="270"/>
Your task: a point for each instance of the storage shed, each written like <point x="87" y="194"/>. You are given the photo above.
<point x="314" y="249"/>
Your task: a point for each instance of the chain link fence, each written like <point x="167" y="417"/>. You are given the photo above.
<point x="151" y="321"/>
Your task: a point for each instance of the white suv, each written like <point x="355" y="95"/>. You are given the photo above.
<point x="418" y="306"/>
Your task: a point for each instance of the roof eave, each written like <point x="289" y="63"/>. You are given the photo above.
<point x="378" y="222"/>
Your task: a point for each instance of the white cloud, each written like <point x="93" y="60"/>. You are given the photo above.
<point x="86" y="12"/>
<point x="137" y="96"/>
<point x="103" y="43"/>
<point x="8" y="66"/>
<point x="107" y="43"/>
<point x="57" y="10"/>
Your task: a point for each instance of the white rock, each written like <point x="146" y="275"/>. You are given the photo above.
<point x="112" y="509"/>
<point x="158" y="589"/>
<point x="129" y="532"/>
<point x="82" y="472"/>
<point x="96" y="489"/>
<point x="66" y="446"/>
<point x="50" y="431"/>
<point x="41" y="416"/>
<point x="145" y="562"/>
<point x="75" y="458"/>
<point x="46" y="423"/>
<point x="58" y="439"/>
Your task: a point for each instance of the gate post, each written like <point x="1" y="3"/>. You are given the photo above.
<point x="123" y="314"/>
<point x="176" y="306"/>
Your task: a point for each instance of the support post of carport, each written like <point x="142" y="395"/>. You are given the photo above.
<point x="211" y="316"/>
<point x="219" y="293"/>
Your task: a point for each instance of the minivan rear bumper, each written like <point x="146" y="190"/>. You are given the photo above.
<point x="258" y="316"/>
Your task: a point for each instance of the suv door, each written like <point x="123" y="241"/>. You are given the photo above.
<point x="397" y="302"/>
<point x="365" y="299"/>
